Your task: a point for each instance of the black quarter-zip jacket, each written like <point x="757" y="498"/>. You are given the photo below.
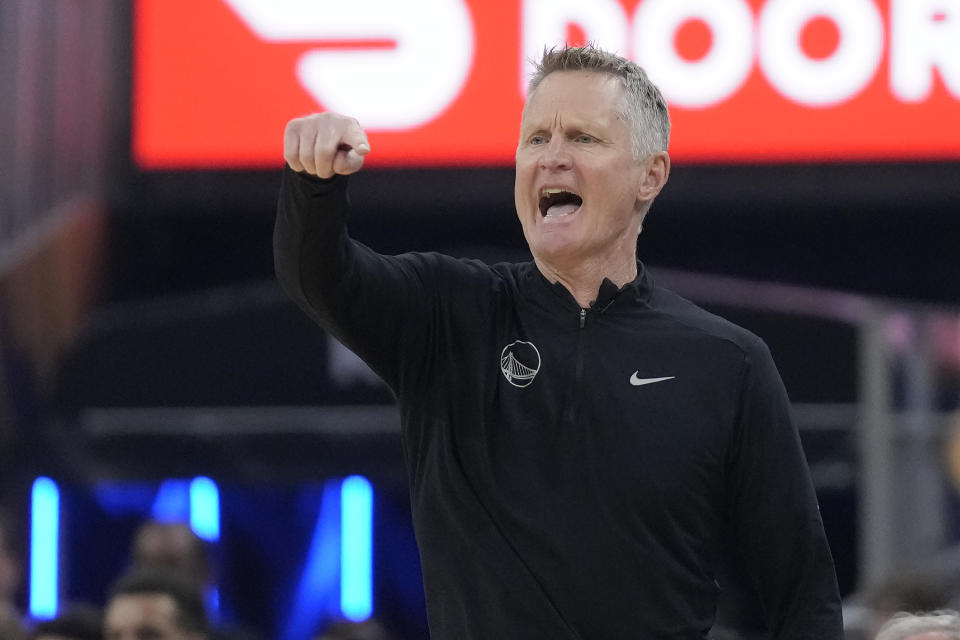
<point x="573" y="472"/>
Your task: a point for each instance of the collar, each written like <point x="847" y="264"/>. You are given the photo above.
<point x="637" y="290"/>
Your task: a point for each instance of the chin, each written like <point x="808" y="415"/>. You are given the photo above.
<point x="554" y="252"/>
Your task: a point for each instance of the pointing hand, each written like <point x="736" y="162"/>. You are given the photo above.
<point x="324" y="144"/>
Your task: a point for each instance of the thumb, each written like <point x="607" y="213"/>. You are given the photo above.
<point x="349" y="161"/>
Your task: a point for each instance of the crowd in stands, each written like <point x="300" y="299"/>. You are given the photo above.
<point x="161" y="597"/>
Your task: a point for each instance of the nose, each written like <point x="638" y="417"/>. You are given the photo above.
<point x="556" y="156"/>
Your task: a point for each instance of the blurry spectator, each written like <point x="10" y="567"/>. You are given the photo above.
<point x="909" y="592"/>
<point x="11" y="571"/>
<point x="11" y="628"/>
<point x="174" y="547"/>
<point x="346" y="630"/>
<point x="155" y="605"/>
<point x="77" y="622"/>
<point x="937" y="625"/>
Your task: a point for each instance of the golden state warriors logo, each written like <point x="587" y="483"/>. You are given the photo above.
<point x="519" y="363"/>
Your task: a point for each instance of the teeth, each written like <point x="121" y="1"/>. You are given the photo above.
<point x="552" y="190"/>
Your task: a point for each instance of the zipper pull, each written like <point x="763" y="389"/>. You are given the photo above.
<point x="583" y="317"/>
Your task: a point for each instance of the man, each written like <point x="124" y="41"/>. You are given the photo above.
<point x="906" y="590"/>
<point x="154" y="605"/>
<point x="578" y="440"/>
<point x="938" y="625"/>
<point x="369" y="629"/>
<point x="175" y="547"/>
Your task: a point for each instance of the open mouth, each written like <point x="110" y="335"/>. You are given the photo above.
<point x="555" y="203"/>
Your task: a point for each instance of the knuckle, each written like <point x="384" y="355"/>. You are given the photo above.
<point x="295" y="126"/>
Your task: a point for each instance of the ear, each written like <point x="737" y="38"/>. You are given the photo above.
<point x="656" y="171"/>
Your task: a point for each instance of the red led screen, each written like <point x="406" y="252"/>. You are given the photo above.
<point x="440" y="82"/>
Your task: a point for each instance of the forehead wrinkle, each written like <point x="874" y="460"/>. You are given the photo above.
<point x="591" y="120"/>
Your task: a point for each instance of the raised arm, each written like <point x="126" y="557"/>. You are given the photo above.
<point x="376" y="305"/>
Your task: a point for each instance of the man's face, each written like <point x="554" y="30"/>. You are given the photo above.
<point x="143" y="616"/>
<point x="579" y="191"/>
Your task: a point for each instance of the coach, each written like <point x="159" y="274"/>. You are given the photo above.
<point x="579" y="441"/>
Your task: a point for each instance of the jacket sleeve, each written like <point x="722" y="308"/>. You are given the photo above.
<point x="370" y="302"/>
<point x="774" y="512"/>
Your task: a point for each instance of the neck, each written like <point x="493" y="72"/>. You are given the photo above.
<point x="583" y="279"/>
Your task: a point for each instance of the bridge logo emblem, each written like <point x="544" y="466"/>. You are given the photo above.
<point x="519" y="363"/>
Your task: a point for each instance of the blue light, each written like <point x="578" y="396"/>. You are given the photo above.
<point x="317" y="595"/>
<point x="172" y="503"/>
<point x="122" y="499"/>
<point x="205" y="509"/>
<point x="212" y="597"/>
<point x="44" y="548"/>
<point x="356" y="548"/>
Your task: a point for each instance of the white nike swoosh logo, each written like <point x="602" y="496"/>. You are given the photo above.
<point x="638" y="382"/>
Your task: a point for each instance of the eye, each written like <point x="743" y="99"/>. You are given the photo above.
<point x="537" y="139"/>
<point x="582" y="137"/>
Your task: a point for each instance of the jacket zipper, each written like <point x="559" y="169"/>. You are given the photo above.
<point x="579" y="367"/>
<point x="574" y="411"/>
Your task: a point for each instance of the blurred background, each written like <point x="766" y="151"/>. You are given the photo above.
<point x="152" y="370"/>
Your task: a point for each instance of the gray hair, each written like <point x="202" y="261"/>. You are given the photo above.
<point x="902" y="626"/>
<point x="644" y="109"/>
